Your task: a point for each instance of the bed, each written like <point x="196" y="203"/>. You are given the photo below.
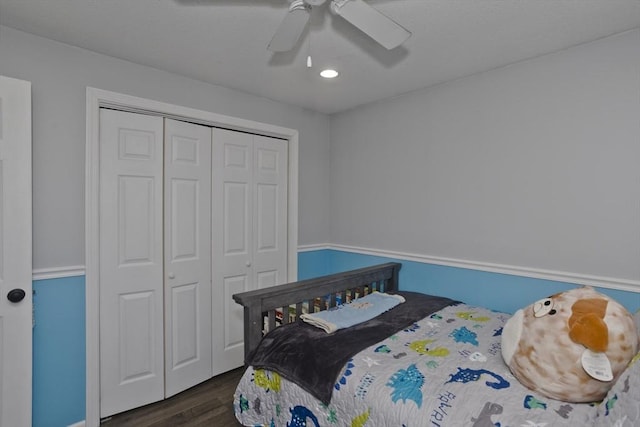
<point x="440" y="365"/>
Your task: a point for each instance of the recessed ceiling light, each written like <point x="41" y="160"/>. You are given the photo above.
<point x="329" y="73"/>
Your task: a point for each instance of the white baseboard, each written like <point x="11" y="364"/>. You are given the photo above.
<point x="78" y="424"/>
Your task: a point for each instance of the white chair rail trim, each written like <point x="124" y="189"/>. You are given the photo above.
<point x="58" y="272"/>
<point x="560" y="276"/>
<point x="536" y="273"/>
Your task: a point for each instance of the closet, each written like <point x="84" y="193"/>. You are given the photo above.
<point x="189" y="215"/>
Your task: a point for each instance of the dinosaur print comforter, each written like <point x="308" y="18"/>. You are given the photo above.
<point x="444" y="370"/>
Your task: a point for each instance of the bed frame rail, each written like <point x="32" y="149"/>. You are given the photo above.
<point x="287" y="302"/>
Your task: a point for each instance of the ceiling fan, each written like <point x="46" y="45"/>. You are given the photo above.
<point x="370" y="21"/>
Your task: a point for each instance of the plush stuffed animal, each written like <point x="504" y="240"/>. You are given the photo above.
<point x="571" y="346"/>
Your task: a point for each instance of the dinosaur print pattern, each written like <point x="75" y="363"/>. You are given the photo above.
<point x="406" y="384"/>
<point x="468" y="375"/>
<point x="470" y="315"/>
<point x="243" y="404"/>
<point x="361" y="419"/>
<point x="465" y="336"/>
<point x="404" y="376"/>
<point x="382" y="349"/>
<point x="345" y="374"/>
<point x="422" y="347"/>
<point x="564" y="411"/>
<point x="484" y="419"/>
<point x="412" y="328"/>
<point x="530" y="402"/>
<point x="267" y="380"/>
<point x="300" y="415"/>
<point x="610" y="404"/>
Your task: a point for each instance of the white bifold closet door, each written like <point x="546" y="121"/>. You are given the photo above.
<point x="249" y="217"/>
<point x="155" y="258"/>
<point x="187" y="249"/>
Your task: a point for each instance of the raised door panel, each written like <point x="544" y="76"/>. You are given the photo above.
<point x="136" y="336"/>
<point x="131" y="261"/>
<point x="187" y="255"/>
<point x="267" y="217"/>
<point x="233" y="326"/>
<point x="235" y="217"/>
<point x="137" y="221"/>
<point x="185" y="347"/>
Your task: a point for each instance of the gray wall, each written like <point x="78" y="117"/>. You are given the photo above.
<point x="535" y="165"/>
<point x="60" y="74"/>
<point x="531" y="165"/>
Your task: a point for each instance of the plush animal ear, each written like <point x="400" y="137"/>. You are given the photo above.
<point x="586" y="324"/>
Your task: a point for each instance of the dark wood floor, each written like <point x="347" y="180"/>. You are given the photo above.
<point x="208" y="404"/>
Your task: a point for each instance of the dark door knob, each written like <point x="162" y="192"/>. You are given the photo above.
<point x="16" y="295"/>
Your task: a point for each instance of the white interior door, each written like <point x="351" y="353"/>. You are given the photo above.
<point x="187" y="250"/>
<point x="15" y="253"/>
<point x="249" y="241"/>
<point x="131" y="261"/>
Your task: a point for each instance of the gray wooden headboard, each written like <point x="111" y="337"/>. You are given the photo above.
<point x="261" y="304"/>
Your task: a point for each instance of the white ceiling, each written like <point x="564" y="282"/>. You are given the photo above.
<point x="224" y="41"/>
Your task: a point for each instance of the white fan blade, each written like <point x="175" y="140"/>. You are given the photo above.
<point x="290" y="30"/>
<point x="372" y="22"/>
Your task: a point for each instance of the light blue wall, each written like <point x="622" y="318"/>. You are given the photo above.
<point x="59" y="335"/>
<point x="59" y="352"/>
<point x="314" y="263"/>
<point x="502" y="292"/>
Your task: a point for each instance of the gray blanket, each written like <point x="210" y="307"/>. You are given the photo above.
<point x="313" y="359"/>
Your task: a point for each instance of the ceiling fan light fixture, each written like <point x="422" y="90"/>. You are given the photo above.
<point x="329" y="73"/>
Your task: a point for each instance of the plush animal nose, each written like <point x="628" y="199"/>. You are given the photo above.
<point x="542" y="307"/>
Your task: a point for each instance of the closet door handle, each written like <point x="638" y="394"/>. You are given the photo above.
<point x="248" y="263"/>
<point x="171" y="276"/>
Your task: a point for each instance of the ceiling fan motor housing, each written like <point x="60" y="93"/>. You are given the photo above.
<point x="384" y="30"/>
<point x="314" y="2"/>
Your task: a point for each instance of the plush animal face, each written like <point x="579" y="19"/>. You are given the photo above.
<point x="571" y="346"/>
